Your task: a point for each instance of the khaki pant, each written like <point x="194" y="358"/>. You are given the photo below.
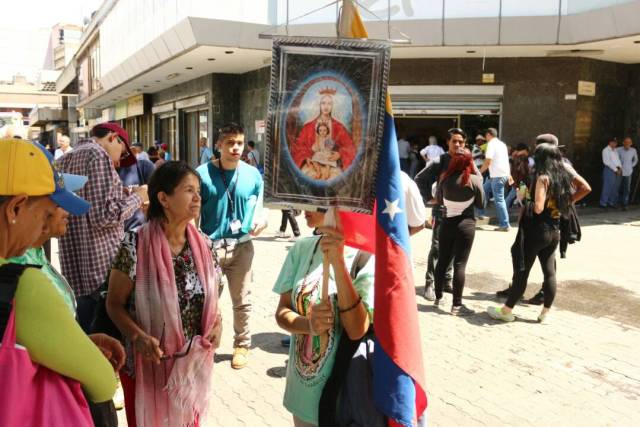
<point x="237" y="268"/>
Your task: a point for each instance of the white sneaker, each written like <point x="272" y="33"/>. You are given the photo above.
<point x="293" y="238"/>
<point x="118" y="398"/>
<point x="281" y="234"/>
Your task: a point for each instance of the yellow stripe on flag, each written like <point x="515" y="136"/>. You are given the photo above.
<point x="351" y="24"/>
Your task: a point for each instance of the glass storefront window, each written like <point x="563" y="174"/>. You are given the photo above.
<point x="196" y="127"/>
<point x="168" y="134"/>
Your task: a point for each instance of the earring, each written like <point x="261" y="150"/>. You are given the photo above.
<point x="13" y="221"/>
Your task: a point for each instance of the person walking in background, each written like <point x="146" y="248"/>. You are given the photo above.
<point x="133" y="173"/>
<point x="64" y="146"/>
<point x="138" y="151"/>
<point x="415" y="159"/>
<point x="288" y="215"/>
<point x="231" y="215"/>
<point x="629" y="159"/>
<point x="425" y="181"/>
<point x="433" y="151"/>
<point x="497" y="163"/>
<point x="88" y="247"/>
<point x="580" y="188"/>
<point x="205" y="152"/>
<point x="611" y="175"/>
<point x="404" y="148"/>
<point x="253" y="157"/>
<point x="544" y="202"/>
<point x="520" y="172"/>
<point x="476" y="152"/>
<point x="153" y="154"/>
<point x="459" y="190"/>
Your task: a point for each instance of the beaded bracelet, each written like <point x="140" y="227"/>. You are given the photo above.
<point x="355" y="304"/>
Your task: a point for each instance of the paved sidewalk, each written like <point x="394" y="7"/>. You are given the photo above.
<point x="580" y="369"/>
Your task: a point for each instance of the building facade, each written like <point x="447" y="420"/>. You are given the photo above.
<point x="176" y="71"/>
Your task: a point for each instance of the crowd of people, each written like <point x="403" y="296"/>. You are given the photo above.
<point x="145" y="242"/>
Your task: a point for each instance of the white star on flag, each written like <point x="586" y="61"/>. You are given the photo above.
<point x="392" y="208"/>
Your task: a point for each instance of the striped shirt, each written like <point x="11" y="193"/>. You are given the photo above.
<point x="91" y="241"/>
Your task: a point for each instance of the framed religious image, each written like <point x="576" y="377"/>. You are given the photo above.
<point x="325" y="123"/>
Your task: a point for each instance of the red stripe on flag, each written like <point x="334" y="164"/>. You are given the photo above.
<point x="396" y="317"/>
<point x="359" y="230"/>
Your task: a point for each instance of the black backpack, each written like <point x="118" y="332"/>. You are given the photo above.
<point x="350" y="403"/>
<point x="9" y="278"/>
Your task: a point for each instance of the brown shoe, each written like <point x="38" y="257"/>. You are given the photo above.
<point x="240" y="357"/>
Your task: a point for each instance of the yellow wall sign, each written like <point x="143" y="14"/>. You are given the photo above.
<point x="586" y="88"/>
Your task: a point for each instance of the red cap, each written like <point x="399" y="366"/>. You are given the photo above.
<point x="126" y="160"/>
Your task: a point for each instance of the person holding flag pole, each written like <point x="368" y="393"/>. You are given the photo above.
<point x="398" y="372"/>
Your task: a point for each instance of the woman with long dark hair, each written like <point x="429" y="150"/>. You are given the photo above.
<point x="548" y="198"/>
<point x="459" y="190"/>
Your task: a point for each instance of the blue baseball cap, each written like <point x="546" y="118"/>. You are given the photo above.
<point x="65" y="185"/>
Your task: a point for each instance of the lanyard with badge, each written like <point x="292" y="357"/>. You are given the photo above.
<point x="230" y="189"/>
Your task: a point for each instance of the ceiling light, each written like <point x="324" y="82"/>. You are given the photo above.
<point x="211" y="59"/>
<point x="471" y="51"/>
<point x="145" y="86"/>
<point x="172" y="76"/>
<point x="228" y="52"/>
<point x="637" y="42"/>
<point x="188" y="68"/>
<point x="157" y="81"/>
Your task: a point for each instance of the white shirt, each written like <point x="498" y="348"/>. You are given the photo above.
<point x="499" y="155"/>
<point x="432" y="152"/>
<point x="629" y="160"/>
<point x="255" y="155"/>
<point x="404" y="148"/>
<point x="416" y="212"/>
<point x="611" y="159"/>
<point x="59" y="153"/>
<point x="142" y="156"/>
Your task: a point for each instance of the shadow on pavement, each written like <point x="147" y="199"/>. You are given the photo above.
<point x="269" y="342"/>
<point x="277" y="372"/>
<point x="592" y="298"/>
<point x="221" y="357"/>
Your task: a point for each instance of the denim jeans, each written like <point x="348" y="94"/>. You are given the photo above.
<point x="625" y="183"/>
<point x="497" y="187"/>
<point x="486" y="186"/>
<point x="511" y="197"/>
<point x="610" y="187"/>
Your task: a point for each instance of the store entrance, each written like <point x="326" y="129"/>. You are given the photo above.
<point x="418" y="129"/>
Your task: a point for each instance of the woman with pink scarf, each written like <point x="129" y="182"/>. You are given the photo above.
<point x="163" y="297"/>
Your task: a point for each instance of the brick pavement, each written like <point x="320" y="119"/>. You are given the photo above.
<point x="577" y="370"/>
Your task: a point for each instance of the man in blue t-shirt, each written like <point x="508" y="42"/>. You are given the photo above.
<point x="231" y="214"/>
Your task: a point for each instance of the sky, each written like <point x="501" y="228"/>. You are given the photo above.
<point x="26" y="27"/>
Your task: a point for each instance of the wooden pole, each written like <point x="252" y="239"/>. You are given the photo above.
<point x="330" y="220"/>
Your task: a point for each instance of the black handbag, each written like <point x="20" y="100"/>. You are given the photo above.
<point x="101" y="322"/>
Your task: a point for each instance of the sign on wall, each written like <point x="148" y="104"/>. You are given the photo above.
<point x="586" y="88"/>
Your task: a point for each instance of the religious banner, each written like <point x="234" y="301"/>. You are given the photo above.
<point x="325" y="122"/>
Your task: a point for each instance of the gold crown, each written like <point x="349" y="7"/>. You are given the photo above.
<point x="328" y="91"/>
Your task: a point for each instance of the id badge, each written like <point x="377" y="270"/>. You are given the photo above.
<point x="235" y="226"/>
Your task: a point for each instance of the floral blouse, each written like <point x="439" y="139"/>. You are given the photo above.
<point x="190" y="291"/>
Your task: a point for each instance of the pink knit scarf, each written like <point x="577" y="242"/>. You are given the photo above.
<point x="175" y="392"/>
